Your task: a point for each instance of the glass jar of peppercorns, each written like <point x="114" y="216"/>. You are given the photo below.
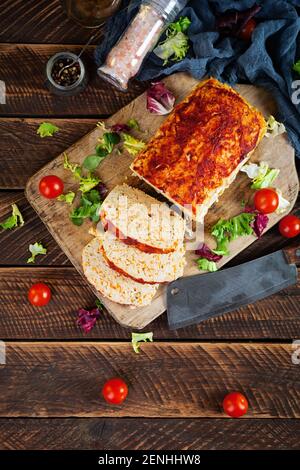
<point x="66" y="74"/>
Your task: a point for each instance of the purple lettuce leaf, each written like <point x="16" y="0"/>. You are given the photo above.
<point x="160" y="100"/>
<point x="205" y="252"/>
<point x="120" y="128"/>
<point x="260" y="222"/>
<point x="86" y="319"/>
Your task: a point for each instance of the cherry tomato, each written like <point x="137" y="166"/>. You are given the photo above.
<point x="235" y="404"/>
<point x="289" y="226"/>
<point x="39" y="294"/>
<point x="51" y="186"/>
<point x="246" y="32"/>
<point x="115" y="391"/>
<point x="266" y="200"/>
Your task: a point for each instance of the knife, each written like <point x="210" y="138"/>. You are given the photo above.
<point x="193" y="299"/>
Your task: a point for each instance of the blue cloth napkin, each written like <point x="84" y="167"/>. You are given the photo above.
<point x="267" y="61"/>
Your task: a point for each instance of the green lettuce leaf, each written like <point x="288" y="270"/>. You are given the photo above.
<point x="36" y="249"/>
<point x="176" y="44"/>
<point x="68" y="198"/>
<point x="274" y="127"/>
<point x="90" y="205"/>
<point x="72" y="167"/>
<point x="86" y="183"/>
<point x="261" y="175"/>
<point x="138" y="337"/>
<point x="133" y="124"/>
<point x="46" y="129"/>
<point x="131" y="144"/>
<point x="226" y="231"/>
<point x="206" y="265"/>
<point x="296" y="66"/>
<point x="14" y="220"/>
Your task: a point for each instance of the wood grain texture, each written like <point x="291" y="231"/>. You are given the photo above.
<point x="165" y="380"/>
<point x="148" y="434"/>
<point x="35" y="21"/>
<point x="23" y="152"/>
<point x="115" y="170"/>
<point x="14" y="244"/>
<point x="274" y="318"/>
<point x="27" y="93"/>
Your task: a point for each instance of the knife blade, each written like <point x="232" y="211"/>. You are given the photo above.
<point x="193" y="299"/>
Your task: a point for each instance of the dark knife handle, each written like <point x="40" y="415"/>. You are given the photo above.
<point x="292" y="253"/>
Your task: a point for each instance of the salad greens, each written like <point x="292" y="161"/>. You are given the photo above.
<point x="176" y="44"/>
<point x="46" y="129"/>
<point x="131" y="144"/>
<point x="274" y="127"/>
<point x="262" y="176"/>
<point x="72" y="167"/>
<point x="90" y="204"/>
<point x="36" y="249"/>
<point x="296" y="66"/>
<point x="138" y="337"/>
<point x="68" y="198"/>
<point x="133" y="124"/>
<point x="226" y="231"/>
<point x="14" y="220"/>
<point x="87" y="319"/>
<point x="205" y="265"/>
<point x="283" y="204"/>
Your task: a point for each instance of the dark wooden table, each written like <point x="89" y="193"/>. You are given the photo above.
<point x="54" y="373"/>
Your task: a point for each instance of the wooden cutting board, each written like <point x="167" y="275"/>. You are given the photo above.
<point x="115" y="170"/>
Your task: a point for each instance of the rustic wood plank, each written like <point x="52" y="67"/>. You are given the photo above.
<point x="148" y="434"/>
<point x="18" y="240"/>
<point x="274" y="318"/>
<point x="165" y="380"/>
<point x="27" y="94"/>
<point x="23" y="152"/>
<point x="36" y="21"/>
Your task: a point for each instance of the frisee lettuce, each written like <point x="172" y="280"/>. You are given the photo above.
<point x="14" y="220"/>
<point x="36" y="249"/>
<point x="131" y="144"/>
<point x="138" y="337"/>
<point x="68" y="197"/>
<point x="261" y="175"/>
<point x="46" y="129"/>
<point x="296" y="66"/>
<point x="274" y="127"/>
<point x="72" y="167"/>
<point x="176" y="44"/>
<point x="226" y="231"/>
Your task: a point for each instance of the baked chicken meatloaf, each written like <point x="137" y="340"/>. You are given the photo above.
<point x="199" y="149"/>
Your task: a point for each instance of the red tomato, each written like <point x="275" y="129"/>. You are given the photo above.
<point x="266" y="200"/>
<point x="289" y="226"/>
<point x="51" y="186"/>
<point x="115" y="391"/>
<point x="235" y="404"/>
<point x="39" y="294"/>
<point x="246" y="32"/>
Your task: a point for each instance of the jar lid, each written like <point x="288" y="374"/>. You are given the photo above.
<point x="169" y="9"/>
